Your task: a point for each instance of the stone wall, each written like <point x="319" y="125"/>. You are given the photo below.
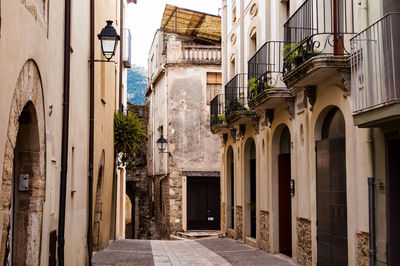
<point x="239" y="222"/>
<point x="362" y="250"/>
<point x="175" y="201"/>
<point x="304" y="250"/>
<point x="263" y="239"/>
<point x="223" y="217"/>
<point x="161" y="208"/>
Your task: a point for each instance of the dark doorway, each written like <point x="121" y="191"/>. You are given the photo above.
<point x="393" y="199"/>
<point x="285" y="201"/>
<point x="253" y="208"/>
<point x="331" y="192"/>
<point x="231" y="188"/>
<point x="250" y="212"/>
<point x="203" y="203"/>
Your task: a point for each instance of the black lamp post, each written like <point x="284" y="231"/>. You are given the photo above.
<point x="162" y="144"/>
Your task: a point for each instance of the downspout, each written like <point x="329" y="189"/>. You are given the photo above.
<point x="91" y="132"/>
<point x="121" y="50"/>
<point x="371" y="196"/>
<point x="65" y="128"/>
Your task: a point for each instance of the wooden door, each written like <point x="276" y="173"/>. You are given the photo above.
<point x="285" y="205"/>
<point x="203" y="203"/>
<point x="393" y="198"/>
<point x="331" y="202"/>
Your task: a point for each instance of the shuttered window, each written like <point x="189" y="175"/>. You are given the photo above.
<point x="214" y="85"/>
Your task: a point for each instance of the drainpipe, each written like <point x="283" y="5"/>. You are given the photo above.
<point x="65" y="128"/>
<point x="371" y="196"/>
<point x="121" y="50"/>
<point x="91" y="133"/>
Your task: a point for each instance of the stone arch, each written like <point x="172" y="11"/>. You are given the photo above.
<point x="98" y="203"/>
<point x="321" y="121"/>
<point x="25" y="136"/>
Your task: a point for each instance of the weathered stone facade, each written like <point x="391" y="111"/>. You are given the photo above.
<point x="239" y="223"/>
<point x="28" y="91"/>
<point x="304" y="249"/>
<point x="263" y="240"/>
<point x="39" y="10"/>
<point x="223" y="216"/>
<point x="362" y="248"/>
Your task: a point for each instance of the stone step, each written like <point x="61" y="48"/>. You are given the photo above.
<point x="198" y="234"/>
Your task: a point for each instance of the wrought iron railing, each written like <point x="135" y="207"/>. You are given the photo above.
<point x="318" y="27"/>
<point x="375" y="64"/>
<point x="217" y="110"/>
<point x="265" y="68"/>
<point x="127" y="53"/>
<point x="235" y="94"/>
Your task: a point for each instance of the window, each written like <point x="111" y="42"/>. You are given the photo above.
<point x="214" y="85"/>
<point x="253" y="43"/>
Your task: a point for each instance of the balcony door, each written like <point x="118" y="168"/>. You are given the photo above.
<point x="338" y="22"/>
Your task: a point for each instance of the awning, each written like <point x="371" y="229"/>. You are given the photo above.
<point x="191" y="23"/>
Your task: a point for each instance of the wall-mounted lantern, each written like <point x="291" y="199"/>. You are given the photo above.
<point x="109" y="39"/>
<point x="162" y="144"/>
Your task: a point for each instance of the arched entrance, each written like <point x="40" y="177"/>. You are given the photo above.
<point x="331" y="191"/>
<point x="285" y="200"/>
<point x="23" y="177"/>
<point x="250" y="213"/>
<point x="230" y="178"/>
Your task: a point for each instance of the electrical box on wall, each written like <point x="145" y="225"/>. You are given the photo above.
<point x="292" y="187"/>
<point x="23" y="182"/>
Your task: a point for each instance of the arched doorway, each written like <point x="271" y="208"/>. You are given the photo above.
<point x="331" y="191"/>
<point x="230" y="180"/>
<point x="284" y="197"/>
<point x="250" y="178"/>
<point x="23" y="179"/>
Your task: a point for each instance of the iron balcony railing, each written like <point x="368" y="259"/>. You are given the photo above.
<point x="265" y="68"/>
<point x="318" y="27"/>
<point x="375" y="64"/>
<point x="217" y="110"/>
<point x="127" y="49"/>
<point x="235" y="94"/>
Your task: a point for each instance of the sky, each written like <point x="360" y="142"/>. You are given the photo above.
<point x="144" y="18"/>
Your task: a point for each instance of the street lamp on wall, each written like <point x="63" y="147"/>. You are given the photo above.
<point x="109" y="39"/>
<point x="162" y="143"/>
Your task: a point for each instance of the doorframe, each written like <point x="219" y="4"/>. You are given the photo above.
<point x="185" y="175"/>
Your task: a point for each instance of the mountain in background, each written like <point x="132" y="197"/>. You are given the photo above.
<point x="137" y="81"/>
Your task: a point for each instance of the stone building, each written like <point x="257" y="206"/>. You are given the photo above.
<point x="303" y="79"/>
<point x="184" y="73"/>
<point x="44" y="132"/>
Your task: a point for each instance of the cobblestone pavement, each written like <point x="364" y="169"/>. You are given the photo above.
<point x="211" y="251"/>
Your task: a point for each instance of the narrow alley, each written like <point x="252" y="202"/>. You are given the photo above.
<point x="210" y="251"/>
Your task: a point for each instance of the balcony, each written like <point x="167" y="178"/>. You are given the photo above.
<point x="375" y="64"/>
<point x="265" y="86"/>
<point x="127" y="49"/>
<point x="217" y="115"/>
<point x="236" y="108"/>
<point x="318" y="41"/>
<point x="195" y="54"/>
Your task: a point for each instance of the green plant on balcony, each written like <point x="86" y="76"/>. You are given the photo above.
<point x="221" y="119"/>
<point x="252" y="84"/>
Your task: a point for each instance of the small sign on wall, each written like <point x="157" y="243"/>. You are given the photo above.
<point x="23" y="182"/>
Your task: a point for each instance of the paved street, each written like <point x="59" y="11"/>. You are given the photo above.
<point x="211" y="251"/>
